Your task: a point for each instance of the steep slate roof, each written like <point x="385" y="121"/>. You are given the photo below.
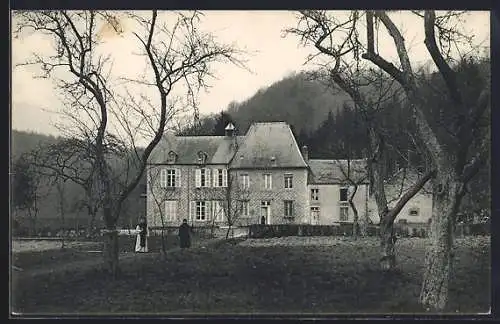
<point x="332" y="171"/>
<point x="219" y="149"/>
<point x="265" y="142"/>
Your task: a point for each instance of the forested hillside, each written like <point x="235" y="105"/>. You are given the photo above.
<point x="297" y="100"/>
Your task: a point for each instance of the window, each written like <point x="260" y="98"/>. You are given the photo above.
<point x="220" y="178"/>
<point x="315" y="194"/>
<point x="268" y="181"/>
<point x="170" y="178"/>
<point x="218" y="210"/>
<point x="171" y="210"/>
<point x="202" y="177"/>
<point x="343" y="194"/>
<point x="244" y="208"/>
<point x="288" y="204"/>
<point x="288" y="181"/>
<point x="201" y="210"/>
<point x="245" y="181"/>
<point x="413" y="212"/>
<point x="344" y="213"/>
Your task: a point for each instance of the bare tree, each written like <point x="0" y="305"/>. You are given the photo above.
<point x="226" y="212"/>
<point x="178" y="57"/>
<point x="316" y="28"/>
<point x="236" y="196"/>
<point x="62" y="210"/>
<point x="71" y="159"/>
<point x="452" y="169"/>
<point x="161" y="193"/>
<point x="354" y="175"/>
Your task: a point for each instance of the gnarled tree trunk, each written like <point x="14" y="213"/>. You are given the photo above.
<point x="439" y="256"/>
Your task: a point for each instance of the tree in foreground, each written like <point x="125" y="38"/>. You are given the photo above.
<point x="112" y="112"/>
<point x="455" y="161"/>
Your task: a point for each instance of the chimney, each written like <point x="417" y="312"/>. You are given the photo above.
<point x="305" y="153"/>
<point x="229" y="130"/>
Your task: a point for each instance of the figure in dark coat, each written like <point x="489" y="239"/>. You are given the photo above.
<point x="184" y="234"/>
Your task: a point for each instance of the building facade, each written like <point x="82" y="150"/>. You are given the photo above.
<point x="259" y="178"/>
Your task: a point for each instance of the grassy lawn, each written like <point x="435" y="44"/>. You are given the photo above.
<point x="78" y="251"/>
<point x="286" y="275"/>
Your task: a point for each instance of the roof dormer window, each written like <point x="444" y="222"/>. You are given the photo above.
<point x="202" y="157"/>
<point x="171" y="157"/>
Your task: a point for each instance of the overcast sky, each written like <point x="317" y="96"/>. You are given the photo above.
<point x="271" y="57"/>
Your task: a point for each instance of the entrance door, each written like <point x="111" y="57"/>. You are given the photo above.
<point x="265" y="212"/>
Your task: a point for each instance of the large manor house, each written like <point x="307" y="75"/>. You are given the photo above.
<point x="262" y="177"/>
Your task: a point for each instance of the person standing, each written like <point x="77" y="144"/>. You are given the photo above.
<point x="184" y="234"/>
<point x="141" y="243"/>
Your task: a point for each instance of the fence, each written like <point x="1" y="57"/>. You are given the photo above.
<point x="282" y="230"/>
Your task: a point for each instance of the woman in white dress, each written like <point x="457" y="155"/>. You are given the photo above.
<point x="141" y="243"/>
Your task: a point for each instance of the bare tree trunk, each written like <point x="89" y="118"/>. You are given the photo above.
<point x="163" y="238"/>
<point x="33" y="213"/>
<point x="60" y="188"/>
<point x="111" y="249"/>
<point x="229" y="228"/>
<point x="439" y="256"/>
<point x="355" y="224"/>
<point x="387" y="247"/>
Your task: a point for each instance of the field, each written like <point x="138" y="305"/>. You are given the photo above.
<point x="284" y="275"/>
<point x="42" y="254"/>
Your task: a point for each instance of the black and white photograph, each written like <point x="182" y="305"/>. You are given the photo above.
<point x="241" y="163"/>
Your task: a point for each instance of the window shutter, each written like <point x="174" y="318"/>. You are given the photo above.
<point x="208" y="210"/>
<point x="163" y="178"/>
<point x="166" y="212"/>
<point x="174" y="210"/>
<point x="192" y="213"/>
<point x="224" y="177"/>
<point x="197" y="178"/>
<point x="213" y="210"/>
<point x="178" y="177"/>
<point x="222" y="215"/>
<point x="216" y="178"/>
